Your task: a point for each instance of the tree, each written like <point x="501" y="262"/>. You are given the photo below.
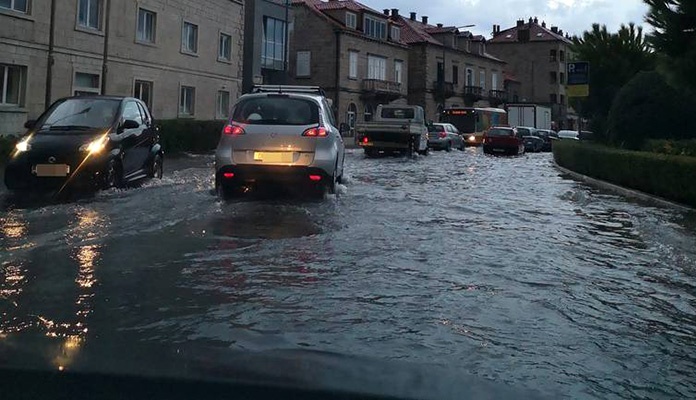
<point x="674" y="38"/>
<point x="614" y="59"/>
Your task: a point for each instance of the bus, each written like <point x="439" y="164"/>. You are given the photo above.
<point x="473" y="122"/>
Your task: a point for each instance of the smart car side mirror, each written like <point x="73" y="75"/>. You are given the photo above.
<point x="30" y="124"/>
<point x="130" y="124"/>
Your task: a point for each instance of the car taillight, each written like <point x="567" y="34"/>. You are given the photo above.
<point x="315" y="178"/>
<point x="365" y="140"/>
<point x="316" y="132"/>
<point x="228" y="175"/>
<point x="442" y="135"/>
<point x="233" y="130"/>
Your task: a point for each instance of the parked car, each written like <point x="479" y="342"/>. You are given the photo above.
<point x="502" y="140"/>
<point x="283" y="135"/>
<point x="444" y="136"/>
<point x="523" y="131"/>
<point x="532" y="142"/>
<point x="395" y="129"/>
<point x="548" y="136"/>
<point x="568" y="135"/>
<point x="87" y="141"/>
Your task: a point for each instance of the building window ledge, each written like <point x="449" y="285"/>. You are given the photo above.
<point x="189" y="53"/>
<point x="224" y="60"/>
<point x="90" y="31"/>
<point x="13" y="109"/>
<point x="16" y="14"/>
<point x="144" y="43"/>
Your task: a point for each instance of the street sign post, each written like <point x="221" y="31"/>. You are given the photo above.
<point x="578" y="79"/>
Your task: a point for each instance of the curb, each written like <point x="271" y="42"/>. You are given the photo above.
<point x="631" y="193"/>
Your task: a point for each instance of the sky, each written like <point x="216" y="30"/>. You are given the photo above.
<point x="572" y="16"/>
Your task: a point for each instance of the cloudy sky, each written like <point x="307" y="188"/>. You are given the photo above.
<point x="572" y="16"/>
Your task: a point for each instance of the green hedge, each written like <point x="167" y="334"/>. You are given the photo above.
<point x="7" y="144"/>
<point x="672" y="147"/>
<point x="667" y="176"/>
<point x="183" y="135"/>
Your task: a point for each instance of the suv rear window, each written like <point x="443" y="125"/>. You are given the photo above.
<point x="500" y="132"/>
<point x="280" y="110"/>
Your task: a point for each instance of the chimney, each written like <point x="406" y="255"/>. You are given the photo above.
<point x="424" y="19"/>
<point x="536" y="20"/>
<point x="395" y="12"/>
<point x="413" y="16"/>
<point x="439" y="25"/>
<point x="386" y="11"/>
<point x="520" y="22"/>
<point x="554" y="29"/>
<point x="560" y="32"/>
<point x="531" y="20"/>
<point x="543" y="24"/>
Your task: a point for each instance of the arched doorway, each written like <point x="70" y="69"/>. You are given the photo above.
<point x="350" y="117"/>
<point x="368" y="112"/>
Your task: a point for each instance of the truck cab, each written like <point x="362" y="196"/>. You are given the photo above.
<point x="396" y="128"/>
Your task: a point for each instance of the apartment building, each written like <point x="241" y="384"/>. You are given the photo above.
<point x="183" y="58"/>
<point x="537" y="55"/>
<point x="355" y="53"/>
<point x="449" y="67"/>
<point x="266" y="26"/>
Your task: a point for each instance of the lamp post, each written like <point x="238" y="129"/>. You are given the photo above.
<point x="444" y="68"/>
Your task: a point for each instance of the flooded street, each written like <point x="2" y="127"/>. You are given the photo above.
<point x="499" y="267"/>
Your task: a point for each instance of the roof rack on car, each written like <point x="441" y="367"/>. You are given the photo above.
<point x="288" y="89"/>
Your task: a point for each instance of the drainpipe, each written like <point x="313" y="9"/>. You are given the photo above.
<point x="105" y="56"/>
<point x="49" y="66"/>
<point x="337" y="73"/>
<point x="286" y="47"/>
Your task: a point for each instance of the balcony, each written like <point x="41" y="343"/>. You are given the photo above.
<point x="472" y="94"/>
<point x="443" y="90"/>
<point x="497" y="97"/>
<point x="381" y="90"/>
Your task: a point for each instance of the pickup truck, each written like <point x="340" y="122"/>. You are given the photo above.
<point x="396" y="128"/>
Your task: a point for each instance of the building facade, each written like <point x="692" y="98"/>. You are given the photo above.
<point x="537" y="55"/>
<point x="450" y="68"/>
<point x="266" y="27"/>
<point x="352" y="51"/>
<point x="183" y="58"/>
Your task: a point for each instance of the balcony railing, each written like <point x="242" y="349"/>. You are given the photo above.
<point x="377" y="86"/>
<point x="497" y="94"/>
<point x="445" y="89"/>
<point x="473" y="91"/>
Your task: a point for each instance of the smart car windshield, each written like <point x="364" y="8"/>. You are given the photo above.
<point x="80" y="114"/>
<point x="281" y="110"/>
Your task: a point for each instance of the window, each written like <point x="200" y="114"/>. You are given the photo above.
<point x="225" y="47"/>
<point x="455" y="74"/>
<point x="562" y="79"/>
<point x="187" y="100"/>
<point x="303" y="63"/>
<point x="563" y="99"/>
<point x="143" y="90"/>
<point x="351" y="20"/>
<point x="276" y="111"/>
<point x="368" y="113"/>
<point x="132" y="112"/>
<point x="494" y="81"/>
<point x="86" y="84"/>
<point x="398" y="71"/>
<point x="482" y="79"/>
<point x="189" y="38"/>
<point x="552" y="98"/>
<point x="440" y="71"/>
<point x="11" y="84"/>
<point x="353" y="64"/>
<point x="330" y="113"/>
<point x="396" y="33"/>
<point x="376" y="68"/>
<point x="553" y="77"/>
<point x="273" y="48"/>
<point x="561" y="56"/>
<point x="147" y="118"/>
<point x="222" y="104"/>
<point x="350" y="116"/>
<point x="469" y="77"/>
<point x="15" y="5"/>
<point x="89" y="14"/>
<point x="147" y="21"/>
<point x="375" y="28"/>
<point x="552" y="55"/>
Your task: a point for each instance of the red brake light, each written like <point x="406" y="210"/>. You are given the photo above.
<point x="366" y="140"/>
<point x="233" y="130"/>
<point x="316" y="132"/>
<point x="315" y="178"/>
<point x="228" y="175"/>
<point x="442" y="135"/>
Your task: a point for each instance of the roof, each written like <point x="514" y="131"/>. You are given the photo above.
<point x="537" y="33"/>
<point x="351" y="5"/>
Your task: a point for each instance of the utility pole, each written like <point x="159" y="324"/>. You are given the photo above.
<point x="286" y="46"/>
<point x="105" y="56"/>
<point x="50" y="60"/>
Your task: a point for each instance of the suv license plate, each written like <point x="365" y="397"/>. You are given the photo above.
<point x="274" y="157"/>
<point x="52" y="170"/>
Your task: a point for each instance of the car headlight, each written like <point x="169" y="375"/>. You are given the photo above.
<point x="95" y="146"/>
<point x="472" y="138"/>
<point x="23" y="146"/>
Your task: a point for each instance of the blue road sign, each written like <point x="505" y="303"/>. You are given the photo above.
<point x="578" y="73"/>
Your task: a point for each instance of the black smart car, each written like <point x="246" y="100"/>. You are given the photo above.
<point x="87" y="141"/>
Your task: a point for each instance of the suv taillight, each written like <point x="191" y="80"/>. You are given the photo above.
<point x="442" y="135"/>
<point x="233" y="130"/>
<point x="316" y="132"/>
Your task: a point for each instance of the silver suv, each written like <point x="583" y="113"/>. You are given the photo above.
<point x="280" y="135"/>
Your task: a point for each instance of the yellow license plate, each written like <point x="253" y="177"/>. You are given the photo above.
<point x="274" y="156"/>
<point x="52" y="170"/>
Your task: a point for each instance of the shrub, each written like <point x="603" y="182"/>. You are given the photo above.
<point x="184" y="135"/>
<point x="667" y="176"/>
<point x="647" y="108"/>
<point x="672" y="147"/>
